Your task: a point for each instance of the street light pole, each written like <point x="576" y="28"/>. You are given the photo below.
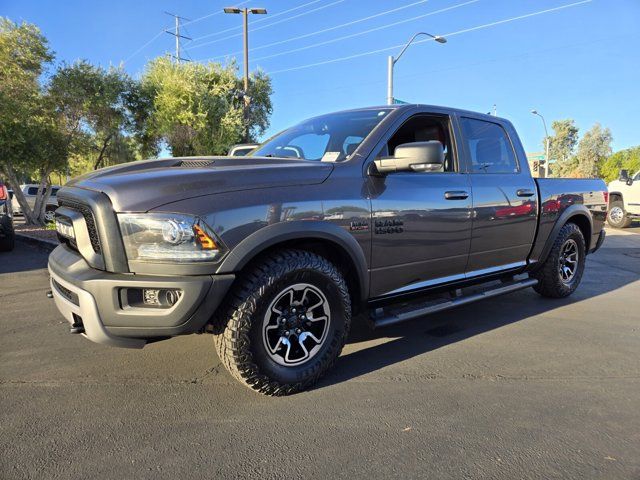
<point x="391" y="61"/>
<point x="245" y="23"/>
<point x="546" y="136"/>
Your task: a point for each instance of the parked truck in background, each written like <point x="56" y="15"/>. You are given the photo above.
<point x="383" y="214"/>
<point x="624" y="200"/>
<point x="30" y="192"/>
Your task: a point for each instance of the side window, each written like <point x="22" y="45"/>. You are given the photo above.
<point x="54" y="192"/>
<point x="32" y="191"/>
<point x="489" y="147"/>
<point x="423" y="128"/>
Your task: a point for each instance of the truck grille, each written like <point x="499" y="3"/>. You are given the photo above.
<point x="88" y="218"/>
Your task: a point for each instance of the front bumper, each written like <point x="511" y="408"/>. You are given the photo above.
<point x="93" y="299"/>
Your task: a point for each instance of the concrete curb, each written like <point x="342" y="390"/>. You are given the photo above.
<point x="47" y="245"/>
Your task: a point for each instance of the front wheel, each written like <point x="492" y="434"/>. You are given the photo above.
<point x="617" y="217"/>
<point x="285" y="322"/>
<point x="561" y="272"/>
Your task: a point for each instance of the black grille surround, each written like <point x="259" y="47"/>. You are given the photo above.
<point x="66" y="293"/>
<point x="89" y="220"/>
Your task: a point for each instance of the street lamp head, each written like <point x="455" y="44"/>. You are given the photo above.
<point x="440" y="39"/>
<point x="535" y="112"/>
<point x="258" y="11"/>
<point x="232" y="10"/>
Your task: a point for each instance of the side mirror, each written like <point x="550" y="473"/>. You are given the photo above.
<point x="413" y="157"/>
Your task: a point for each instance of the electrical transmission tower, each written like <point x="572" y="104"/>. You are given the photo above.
<point x="176" y="34"/>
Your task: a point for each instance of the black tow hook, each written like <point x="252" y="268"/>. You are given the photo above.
<point x="49" y="294"/>
<point x="76" y="328"/>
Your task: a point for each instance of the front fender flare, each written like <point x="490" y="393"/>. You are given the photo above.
<point x="281" y="232"/>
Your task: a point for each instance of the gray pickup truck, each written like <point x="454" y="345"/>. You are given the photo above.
<point x="383" y="214"/>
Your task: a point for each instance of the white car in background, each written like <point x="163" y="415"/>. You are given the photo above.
<point x="30" y="192"/>
<point x="624" y="200"/>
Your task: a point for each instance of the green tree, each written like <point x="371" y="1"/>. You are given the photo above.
<point x="593" y="150"/>
<point x="196" y="109"/>
<point x="562" y="146"/>
<point x="96" y="108"/>
<point x="628" y="159"/>
<point x="30" y="143"/>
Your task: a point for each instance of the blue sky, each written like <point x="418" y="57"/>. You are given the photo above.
<point x="581" y="61"/>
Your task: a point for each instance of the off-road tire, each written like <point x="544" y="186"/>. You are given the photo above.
<point x="550" y="283"/>
<point x="238" y="326"/>
<point x="624" y="222"/>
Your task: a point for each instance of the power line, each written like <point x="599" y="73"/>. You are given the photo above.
<point x="257" y="21"/>
<point x="459" y="66"/>
<point x="386" y="49"/>
<point x="210" y="15"/>
<point x="318" y="32"/>
<point x="382" y="27"/>
<point x="271" y="24"/>
<point x="154" y="38"/>
<point x="159" y="34"/>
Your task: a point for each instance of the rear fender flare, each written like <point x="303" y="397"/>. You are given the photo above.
<point x="570" y="213"/>
<point x="272" y="235"/>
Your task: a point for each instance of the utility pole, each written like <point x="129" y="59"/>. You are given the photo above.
<point x="245" y="24"/>
<point x="176" y="34"/>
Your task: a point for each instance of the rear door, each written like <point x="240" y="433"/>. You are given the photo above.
<point x="505" y="199"/>
<point x="421" y="220"/>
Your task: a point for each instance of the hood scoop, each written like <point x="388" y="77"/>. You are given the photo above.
<point x="195" y="163"/>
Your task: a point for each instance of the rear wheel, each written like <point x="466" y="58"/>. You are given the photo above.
<point x="617" y="217"/>
<point x="285" y="323"/>
<point x="561" y="272"/>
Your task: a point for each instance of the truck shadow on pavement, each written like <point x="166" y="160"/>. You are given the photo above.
<point x="432" y="332"/>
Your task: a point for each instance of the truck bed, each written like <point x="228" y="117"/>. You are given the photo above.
<point x="558" y="196"/>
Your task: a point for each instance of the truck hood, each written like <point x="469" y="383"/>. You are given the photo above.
<point x="145" y="185"/>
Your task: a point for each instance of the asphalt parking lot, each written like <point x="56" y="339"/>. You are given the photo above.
<point x="517" y="387"/>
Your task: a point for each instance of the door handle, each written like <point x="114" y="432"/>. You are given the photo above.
<point x="456" y="195"/>
<point x="525" y="192"/>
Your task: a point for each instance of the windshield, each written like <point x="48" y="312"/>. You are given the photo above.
<point x="330" y="138"/>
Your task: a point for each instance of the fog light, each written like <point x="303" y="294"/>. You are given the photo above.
<point x="156" y="297"/>
<point x="151" y="296"/>
<point x="172" y="297"/>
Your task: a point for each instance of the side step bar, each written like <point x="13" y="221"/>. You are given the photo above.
<point x="382" y="319"/>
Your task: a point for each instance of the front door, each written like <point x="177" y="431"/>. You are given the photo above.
<point x="421" y="220"/>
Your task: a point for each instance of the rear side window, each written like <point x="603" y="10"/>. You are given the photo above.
<point x="489" y="147"/>
<point x="54" y="192"/>
<point x="32" y="191"/>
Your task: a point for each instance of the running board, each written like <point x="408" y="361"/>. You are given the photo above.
<point x="382" y="318"/>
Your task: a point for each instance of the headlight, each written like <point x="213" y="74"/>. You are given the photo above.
<point x="168" y="237"/>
